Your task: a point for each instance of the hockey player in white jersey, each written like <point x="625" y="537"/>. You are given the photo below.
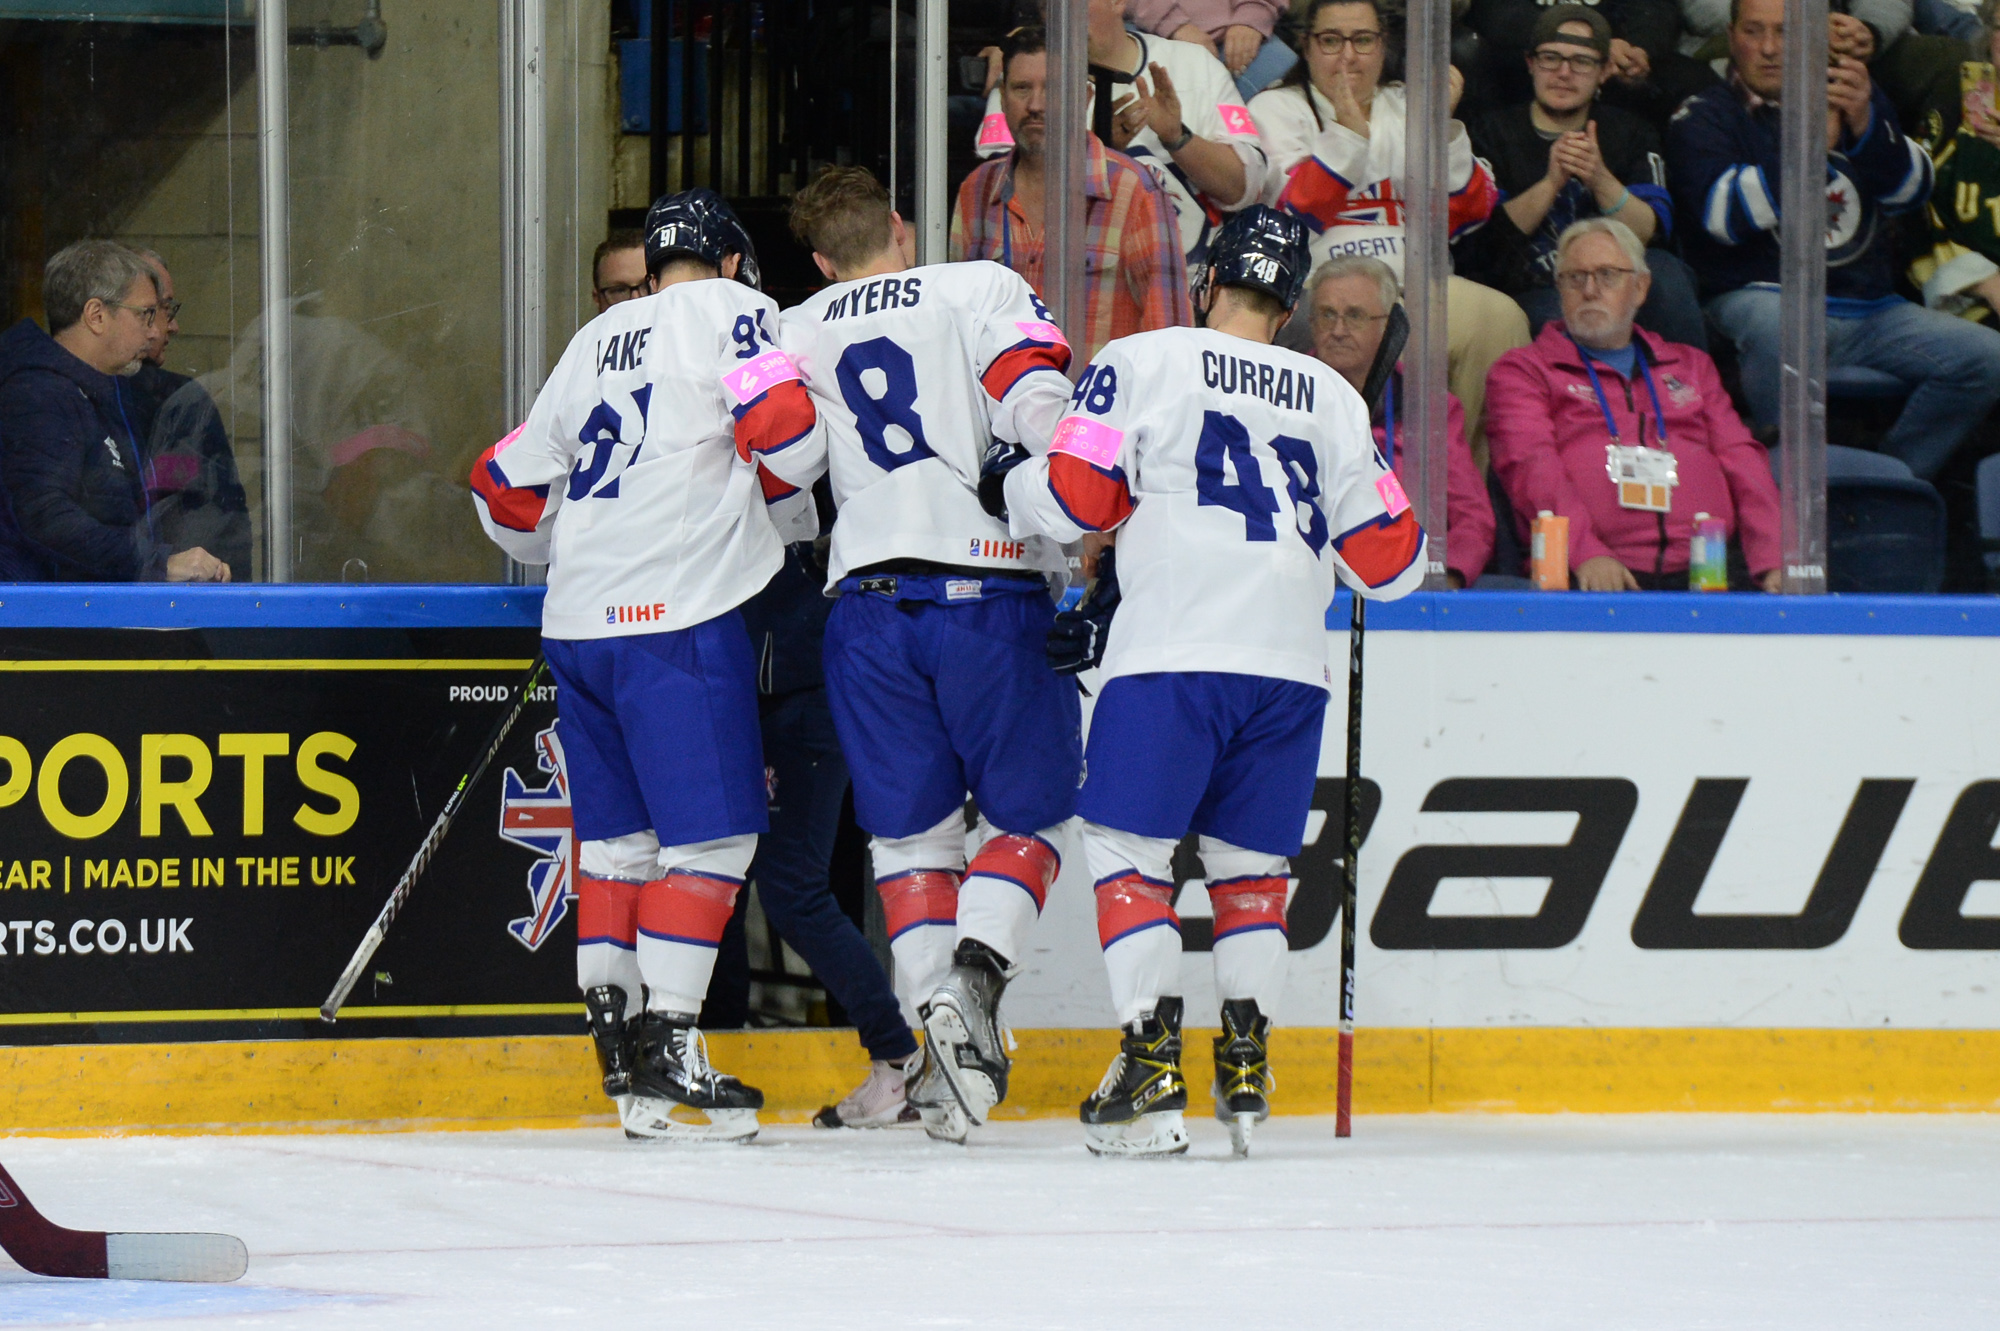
<point x="935" y="653"/>
<point x="642" y="478"/>
<point x="1242" y="479"/>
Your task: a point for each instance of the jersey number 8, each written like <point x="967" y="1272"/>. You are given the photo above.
<point x="1224" y="436"/>
<point x="895" y="405"/>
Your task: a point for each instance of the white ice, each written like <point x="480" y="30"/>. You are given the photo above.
<point x="1434" y="1222"/>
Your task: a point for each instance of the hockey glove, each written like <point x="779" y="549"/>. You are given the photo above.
<point x="1076" y="643"/>
<point x="1001" y="458"/>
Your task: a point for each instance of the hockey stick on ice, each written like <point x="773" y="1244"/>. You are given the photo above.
<point x="1395" y="334"/>
<point x="421" y="860"/>
<point x="48" y="1249"/>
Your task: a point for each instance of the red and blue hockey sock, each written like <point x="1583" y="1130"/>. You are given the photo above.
<point x="1005" y="887"/>
<point x="608" y="877"/>
<point x="681" y="918"/>
<point x="918" y="879"/>
<point x="1136" y="923"/>
<point x="1248" y="890"/>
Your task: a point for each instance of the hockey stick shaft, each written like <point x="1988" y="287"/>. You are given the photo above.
<point x="1350" y="873"/>
<point x="40" y="1245"/>
<point x="379" y="930"/>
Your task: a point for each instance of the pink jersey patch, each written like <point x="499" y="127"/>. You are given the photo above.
<point x="1093" y="441"/>
<point x="1042" y="332"/>
<point x="1238" y="120"/>
<point x="757" y="378"/>
<point x="509" y="437"/>
<point x="1392" y="494"/>
<point x="993" y="132"/>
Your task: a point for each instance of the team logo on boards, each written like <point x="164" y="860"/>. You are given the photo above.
<point x="539" y="819"/>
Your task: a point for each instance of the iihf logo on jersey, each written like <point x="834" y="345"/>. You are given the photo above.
<point x="540" y="820"/>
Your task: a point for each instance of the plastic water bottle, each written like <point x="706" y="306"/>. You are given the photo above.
<point x="1708" y="555"/>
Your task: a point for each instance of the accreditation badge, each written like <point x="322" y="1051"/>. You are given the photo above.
<point x="1645" y="477"/>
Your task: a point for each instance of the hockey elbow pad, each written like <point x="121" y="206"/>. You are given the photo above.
<point x="1076" y="641"/>
<point x="1001" y="458"/>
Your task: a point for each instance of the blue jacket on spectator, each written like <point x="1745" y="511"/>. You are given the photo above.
<point x="1722" y="166"/>
<point x="70" y="467"/>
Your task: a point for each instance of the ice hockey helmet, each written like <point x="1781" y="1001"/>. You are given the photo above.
<point x="1262" y="249"/>
<point x="700" y="224"/>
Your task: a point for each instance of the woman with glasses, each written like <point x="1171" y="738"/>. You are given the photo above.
<point x="1563" y="156"/>
<point x="1335" y="136"/>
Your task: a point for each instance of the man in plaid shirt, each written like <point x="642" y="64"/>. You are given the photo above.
<point x="1136" y="277"/>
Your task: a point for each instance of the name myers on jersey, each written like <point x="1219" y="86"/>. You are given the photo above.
<point x="884" y="293"/>
<point x="1277" y="385"/>
<point x="623" y="352"/>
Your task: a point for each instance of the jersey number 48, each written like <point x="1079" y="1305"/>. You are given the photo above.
<point x="1223" y="436"/>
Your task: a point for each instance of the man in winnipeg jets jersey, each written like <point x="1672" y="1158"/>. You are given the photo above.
<point x="1242" y="479"/>
<point x="642" y="479"/>
<point x="935" y="652"/>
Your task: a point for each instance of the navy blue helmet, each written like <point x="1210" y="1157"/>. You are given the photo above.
<point x="1262" y="249"/>
<point x="700" y="224"/>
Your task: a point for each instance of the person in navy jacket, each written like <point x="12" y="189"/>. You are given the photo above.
<point x="1723" y="168"/>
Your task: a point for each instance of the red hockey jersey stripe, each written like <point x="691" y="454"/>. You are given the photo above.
<point x="1379" y="550"/>
<point x="1095" y="500"/>
<point x="687" y="907"/>
<point x="518" y="508"/>
<point x="775" y="486"/>
<point x="1469" y="207"/>
<point x="1023" y="358"/>
<point x="781" y="415"/>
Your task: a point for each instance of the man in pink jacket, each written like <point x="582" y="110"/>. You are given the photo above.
<point x="1589" y="394"/>
<point x="1349" y="298"/>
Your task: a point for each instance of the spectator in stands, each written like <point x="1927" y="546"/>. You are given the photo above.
<point x="1960" y="273"/>
<point x="69" y="461"/>
<point x="1335" y="134"/>
<point x="192" y="486"/>
<point x="1349" y="299"/>
<point x="1724" y="169"/>
<point x="1560" y="157"/>
<point x="1237" y="32"/>
<point x="1171" y="107"/>
<point x="1135" y="277"/>
<point x="1645" y="72"/>
<point x="618" y="269"/>
<point x="1590" y="381"/>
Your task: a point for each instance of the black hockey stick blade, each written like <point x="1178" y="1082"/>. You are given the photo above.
<point x="364" y="952"/>
<point x="1395" y="335"/>
<point x="48" y="1249"/>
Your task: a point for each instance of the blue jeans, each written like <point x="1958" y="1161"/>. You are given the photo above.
<point x="1940" y="18"/>
<point x="790" y="871"/>
<point x="1952" y="367"/>
<point x="1272" y="62"/>
<point x="1672" y="310"/>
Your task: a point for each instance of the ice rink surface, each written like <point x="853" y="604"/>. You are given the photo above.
<point x="1435" y="1222"/>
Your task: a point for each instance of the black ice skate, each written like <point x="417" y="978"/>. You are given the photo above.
<point x="677" y="1096"/>
<point x="1138" y="1106"/>
<point x="962" y="1029"/>
<point x="1243" y="1079"/>
<point x="616" y="1038"/>
<point x="931" y="1096"/>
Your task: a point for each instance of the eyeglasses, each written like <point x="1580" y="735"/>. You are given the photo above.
<point x="617" y="293"/>
<point x="171" y="309"/>
<point x="1330" y="41"/>
<point x="146" y="313"/>
<point x="1551" y="61"/>
<point x="1356" y="319"/>
<point x="1607" y="279"/>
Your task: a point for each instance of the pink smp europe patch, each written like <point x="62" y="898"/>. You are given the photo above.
<point x="760" y="375"/>
<point x="1093" y="441"/>
<point x="1392" y="494"/>
<point x="993" y="132"/>
<point x="1238" y="120"/>
<point x="1036" y="331"/>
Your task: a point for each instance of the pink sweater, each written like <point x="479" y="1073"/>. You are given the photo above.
<point x="1546" y="434"/>
<point x="1468" y="513"/>
<point x="1213" y="17"/>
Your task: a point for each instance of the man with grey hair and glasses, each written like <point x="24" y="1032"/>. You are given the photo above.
<point x="1629" y="436"/>
<point x="70" y="458"/>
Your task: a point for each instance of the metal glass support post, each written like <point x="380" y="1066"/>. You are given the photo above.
<point x="523" y="213"/>
<point x="1426" y="267"/>
<point x="1067" y="156"/>
<point x="932" y="198"/>
<point x="274" y="261"/>
<point x="1802" y="299"/>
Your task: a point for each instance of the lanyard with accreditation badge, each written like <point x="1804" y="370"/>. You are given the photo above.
<point x="1645" y="477"/>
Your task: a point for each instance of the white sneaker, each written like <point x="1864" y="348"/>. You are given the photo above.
<point x="879" y="1102"/>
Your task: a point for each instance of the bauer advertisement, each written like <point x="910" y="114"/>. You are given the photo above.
<point x="199" y="841"/>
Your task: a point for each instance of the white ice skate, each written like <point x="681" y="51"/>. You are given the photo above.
<point x="677" y="1096"/>
<point x="879" y="1102"/>
<point x="962" y="1030"/>
<point x="936" y="1104"/>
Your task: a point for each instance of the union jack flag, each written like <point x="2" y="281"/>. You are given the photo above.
<point x="540" y="820"/>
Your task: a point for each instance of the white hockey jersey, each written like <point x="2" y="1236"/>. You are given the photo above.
<point x="913" y="373"/>
<point x="643" y="473"/>
<point x="1210" y="106"/>
<point x="1245" y="480"/>
<point x="1347" y="189"/>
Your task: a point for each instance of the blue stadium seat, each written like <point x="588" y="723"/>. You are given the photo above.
<point x="1849" y="464"/>
<point x="1855" y="381"/>
<point x="1884" y="530"/>
<point x="1986" y="482"/>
